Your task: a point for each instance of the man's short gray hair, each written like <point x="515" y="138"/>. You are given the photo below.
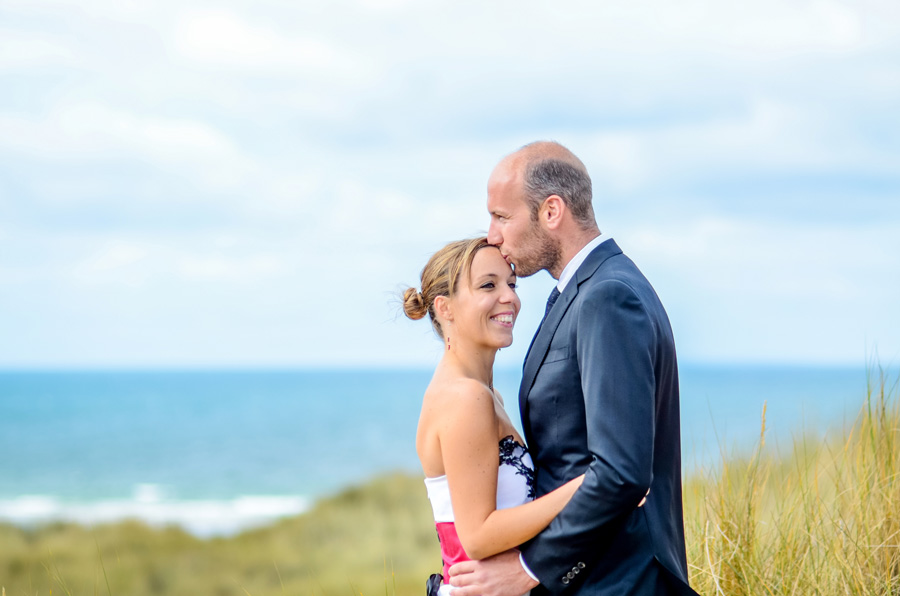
<point x="545" y="177"/>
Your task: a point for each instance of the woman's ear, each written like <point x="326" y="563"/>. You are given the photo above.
<point x="442" y="309"/>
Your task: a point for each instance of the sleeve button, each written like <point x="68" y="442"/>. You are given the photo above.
<point x="581" y="565"/>
<point x="565" y="581"/>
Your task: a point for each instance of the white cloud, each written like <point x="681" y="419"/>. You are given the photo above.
<point x="241" y="269"/>
<point x="76" y="134"/>
<point x="20" y="51"/>
<point x="765" y="136"/>
<point x="77" y="130"/>
<point x="800" y="26"/>
<point x="764" y="290"/>
<point x="222" y="37"/>
<point x="619" y="158"/>
<point x="163" y="159"/>
<point x="385" y="5"/>
<point x="119" y="262"/>
<point x="141" y="262"/>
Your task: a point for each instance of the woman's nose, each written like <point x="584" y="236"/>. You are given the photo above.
<point x="509" y="295"/>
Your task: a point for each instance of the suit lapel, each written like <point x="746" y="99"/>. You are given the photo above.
<point x="541" y="342"/>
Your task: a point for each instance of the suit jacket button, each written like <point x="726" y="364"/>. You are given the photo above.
<point x="576" y="570"/>
<point x="570" y="575"/>
<point x="581" y="565"/>
<point x="565" y="580"/>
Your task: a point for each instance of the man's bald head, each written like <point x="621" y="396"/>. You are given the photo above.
<point x="542" y="150"/>
<point x="547" y="168"/>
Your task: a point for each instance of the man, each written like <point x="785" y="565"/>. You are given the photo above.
<point x="599" y="395"/>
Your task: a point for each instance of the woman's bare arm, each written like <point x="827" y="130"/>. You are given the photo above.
<point x="469" y="448"/>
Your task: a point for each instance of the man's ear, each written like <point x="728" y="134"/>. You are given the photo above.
<point x="551" y="211"/>
<point x="442" y="308"/>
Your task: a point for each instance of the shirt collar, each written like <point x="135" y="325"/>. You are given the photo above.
<point x="572" y="266"/>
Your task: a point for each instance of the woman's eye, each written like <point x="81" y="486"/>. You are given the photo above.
<point x="514" y="286"/>
<point x="488" y="286"/>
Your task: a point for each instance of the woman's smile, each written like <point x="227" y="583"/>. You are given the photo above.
<point x="505" y="318"/>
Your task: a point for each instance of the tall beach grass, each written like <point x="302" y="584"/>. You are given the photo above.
<point x="823" y="519"/>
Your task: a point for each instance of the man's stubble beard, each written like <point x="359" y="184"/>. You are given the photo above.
<point x="542" y="252"/>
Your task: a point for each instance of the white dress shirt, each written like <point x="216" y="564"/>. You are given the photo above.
<point x="572" y="266"/>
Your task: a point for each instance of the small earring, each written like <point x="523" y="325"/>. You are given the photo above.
<point x="448" y="342"/>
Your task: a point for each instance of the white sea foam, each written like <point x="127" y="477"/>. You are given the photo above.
<point x="150" y="504"/>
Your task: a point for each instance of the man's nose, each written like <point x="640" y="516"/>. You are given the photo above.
<point x="494" y="236"/>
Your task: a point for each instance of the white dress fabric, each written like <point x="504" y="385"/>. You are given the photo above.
<point x="515" y="486"/>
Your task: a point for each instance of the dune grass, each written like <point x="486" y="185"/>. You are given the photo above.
<point x="823" y="519"/>
<point x="370" y="540"/>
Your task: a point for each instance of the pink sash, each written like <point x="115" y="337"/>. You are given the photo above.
<point x="451" y="549"/>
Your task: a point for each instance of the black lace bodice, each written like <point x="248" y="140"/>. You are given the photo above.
<point x="511" y="454"/>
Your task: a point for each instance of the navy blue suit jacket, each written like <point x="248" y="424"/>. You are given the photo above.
<point x="599" y="396"/>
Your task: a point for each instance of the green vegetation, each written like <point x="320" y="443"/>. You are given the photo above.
<point x="371" y="540"/>
<point x="824" y="519"/>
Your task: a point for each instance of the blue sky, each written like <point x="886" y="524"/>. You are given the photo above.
<point x="250" y="184"/>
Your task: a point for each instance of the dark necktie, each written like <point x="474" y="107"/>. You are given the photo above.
<point x="550" y="302"/>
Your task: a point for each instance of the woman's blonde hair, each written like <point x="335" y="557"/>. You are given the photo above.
<point x="440" y="277"/>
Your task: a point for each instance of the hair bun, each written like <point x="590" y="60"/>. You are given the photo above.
<point x="414" y="304"/>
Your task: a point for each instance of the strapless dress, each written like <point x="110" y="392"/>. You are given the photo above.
<point x="515" y="486"/>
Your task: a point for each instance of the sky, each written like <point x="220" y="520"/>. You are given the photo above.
<point x="251" y="184"/>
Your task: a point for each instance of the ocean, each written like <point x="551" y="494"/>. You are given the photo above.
<point x="217" y="452"/>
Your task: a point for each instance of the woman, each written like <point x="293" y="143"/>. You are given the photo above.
<point x="470" y="452"/>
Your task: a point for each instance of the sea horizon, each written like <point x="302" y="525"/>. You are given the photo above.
<point x="216" y="451"/>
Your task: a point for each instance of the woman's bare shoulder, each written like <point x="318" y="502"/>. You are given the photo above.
<point x="455" y="411"/>
<point x="463" y="391"/>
